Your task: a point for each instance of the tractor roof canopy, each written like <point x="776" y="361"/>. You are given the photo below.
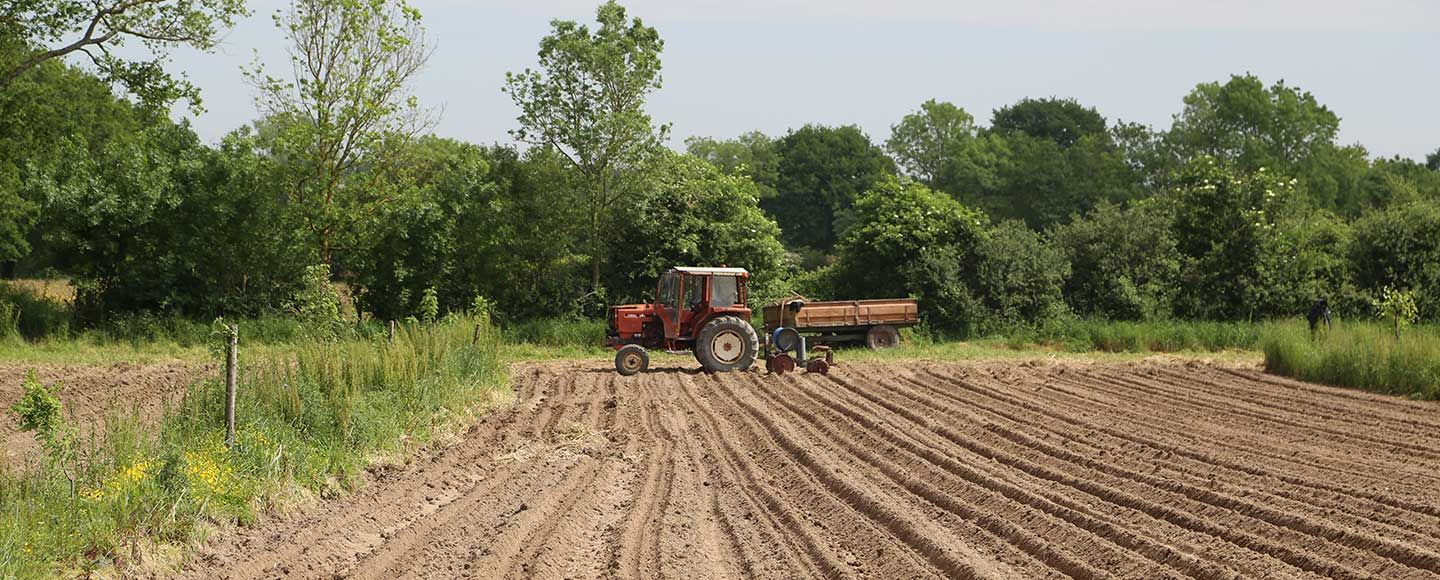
<point x="713" y="271"/>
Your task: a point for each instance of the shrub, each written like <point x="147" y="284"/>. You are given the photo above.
<point x="1399" y="246"/>
<point x="1019" y="278"/>
<point x="1123" y="261"/>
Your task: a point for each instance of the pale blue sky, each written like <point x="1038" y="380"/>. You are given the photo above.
<point x="737" y="65"/>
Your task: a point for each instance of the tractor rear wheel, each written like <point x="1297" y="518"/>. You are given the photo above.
<point x="727" y="344"/>
<point x="882" y="337"/>
<point x="631" y="359"/>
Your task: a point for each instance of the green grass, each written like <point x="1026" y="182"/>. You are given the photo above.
<point x="557" y="333"/>
<point x="1167" y="336"/>
<point x="1358" y="355"/>
<point x="310" y="417"/>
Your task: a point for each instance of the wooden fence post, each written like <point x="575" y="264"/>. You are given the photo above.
<point x="232" y="370"/>
<point x="390" y="333"/>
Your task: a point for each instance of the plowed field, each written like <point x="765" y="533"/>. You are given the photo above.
<point x="924" y="470"/>
<point x="90" y="394"/>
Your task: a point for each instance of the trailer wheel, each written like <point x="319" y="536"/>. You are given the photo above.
<point x="727" y="344"/>
<point x="631" y="359"/>
<point x="882" y="337"/>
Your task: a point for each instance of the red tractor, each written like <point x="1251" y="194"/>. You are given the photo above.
<point x="696" y="309"/>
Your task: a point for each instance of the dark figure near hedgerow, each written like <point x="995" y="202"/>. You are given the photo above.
<point x="1319" y="312"/>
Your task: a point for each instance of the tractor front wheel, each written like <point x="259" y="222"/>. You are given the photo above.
<point x="727" y="344"/>
<point x="631" y="359"/>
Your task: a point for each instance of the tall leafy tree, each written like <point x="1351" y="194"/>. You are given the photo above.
<point x="822" y="171"/>
<point x="1432" y="160"/>
<point x="1063" y="121"/>
<point x="57" y="29"/>
<point x="1246" y="123"/>
<point x="587" y="102"/>
<point x="928" y="143"/>
<point x="348" y="104"/>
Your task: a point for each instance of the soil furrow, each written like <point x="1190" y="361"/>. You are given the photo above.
<point x="916" y="470"/>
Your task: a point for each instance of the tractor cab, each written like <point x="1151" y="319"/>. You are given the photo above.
<point x="699" y="309"/>
<point x="686" y="298"/>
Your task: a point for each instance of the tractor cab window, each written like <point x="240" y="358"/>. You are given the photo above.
<point x="724" y="291"/>
<point x="669" y="297"/>
<point x="694" y="292"/>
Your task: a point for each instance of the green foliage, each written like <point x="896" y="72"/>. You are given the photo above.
<point x="1019" y="277"/>
<point x="587" y="102"/>
<point x="932" y="144"/>
<point x="752" y="154"/>
<point x="822" y="171"/>
<point x="38" y="409"/>
<point x="1400" y="246"/>
<point x="487" y="222"/>
<point x="694" y="215"/>
<point x="1124" y="262"/>
<point x="1062" y="121"/>
<point x="429" y="306"/>
<point x="1245" y="123"/>
<point x="558" y="332"/>
<point x="1279" y="128"/>
<point x="1398" y="307"/>
<point x="27" y="315"/>
<point x="1097" y="335"/>
<point x="909" y="240"/>
<point x="336" y="125"/>
<point x="1358" y="355"/>
<point x="1224" y="221"/>
<point x="1303" y="260"/>
<point x="317" y="304"/>
<point x="55" y="29"/>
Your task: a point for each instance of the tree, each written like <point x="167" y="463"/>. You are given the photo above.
<point x="751" y="154"/>
<point x="587" y="102"/>
<point x="909" y="240"/>
<point x="1224" y="221"/>
<point x="1063" y="121"/>
<point x="55" y="29"/>
<point x="927" y="143"/>
<point x="1432" y="160"/>
<point x="822" y="171"/>
<point x="16" y="215"/>
<point x="54" y="112"/>
<point x="347" y="105"/>
<point x="1253" y="126"/>
<point x="694" y="214"/>
<point x="486" y="222"/>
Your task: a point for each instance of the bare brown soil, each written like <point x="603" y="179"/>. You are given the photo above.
<point x="923" y="470"/>
<point x="90" y="394"/>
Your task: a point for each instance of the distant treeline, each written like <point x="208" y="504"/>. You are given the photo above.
<point x="1246" y="207"/>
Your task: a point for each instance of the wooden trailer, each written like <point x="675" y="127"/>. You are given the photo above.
<point x="874" y="322"/>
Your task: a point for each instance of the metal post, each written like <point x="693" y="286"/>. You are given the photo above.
<point x="232" y="370"/>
